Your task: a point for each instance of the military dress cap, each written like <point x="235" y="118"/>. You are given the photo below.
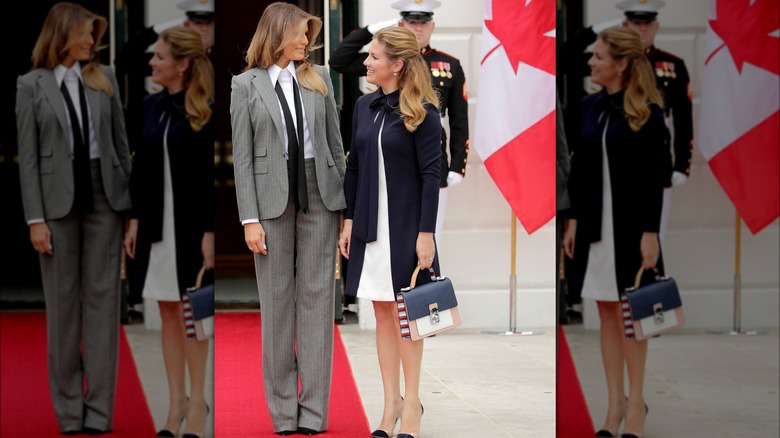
<point x="641" y="10"/>
<point x="198" y="9"/>
<point x="416" y="10"/>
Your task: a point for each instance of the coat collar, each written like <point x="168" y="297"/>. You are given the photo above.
<point x="265" y="88"/>
<point x="389" y="100"/>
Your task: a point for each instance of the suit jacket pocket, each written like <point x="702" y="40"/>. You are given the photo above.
<point x="261" y="165"/>
<point x="331" y="163"/>
<point x="46" y="161"/>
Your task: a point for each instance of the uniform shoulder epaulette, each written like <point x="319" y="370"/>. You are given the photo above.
<point x="444" y="54"/>
<point x="669" y="55"/>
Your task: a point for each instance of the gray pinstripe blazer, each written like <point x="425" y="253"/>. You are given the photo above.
<point x="258" y="145"/>
<point x="45" y="165"/>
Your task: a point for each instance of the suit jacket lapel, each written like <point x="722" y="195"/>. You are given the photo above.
<point x="309" y="100"/>
<point x="93" y="99"/>
<point x="52" y="91"/>
<point x="264" y="87"/>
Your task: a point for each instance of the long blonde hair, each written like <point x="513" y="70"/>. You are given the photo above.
<point x="65" y="25"/>
<point x="414" y="81"/>
<point x="276" y="29"/>
<point x="186" y="43"/>
<point x="637" y="80"/>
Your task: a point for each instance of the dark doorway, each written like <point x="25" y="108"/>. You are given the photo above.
<point x="19" y="269"/>
<point x="236" y="22"/>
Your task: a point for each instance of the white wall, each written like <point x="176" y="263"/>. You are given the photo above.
<point x="158" y="11"/>
<point x="700" y="242"/>
<point x="475" y="247"/>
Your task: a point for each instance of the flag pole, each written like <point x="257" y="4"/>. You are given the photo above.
<point x="513" y="290"/>
<point x="736" y="329"/>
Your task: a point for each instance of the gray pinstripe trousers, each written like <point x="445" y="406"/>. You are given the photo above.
<point x="81" y="288"/>
<point x="296" y="281"/>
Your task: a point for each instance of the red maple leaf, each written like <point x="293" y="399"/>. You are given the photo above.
<point x="745" y="29"/>
<point x="521" y="27"/>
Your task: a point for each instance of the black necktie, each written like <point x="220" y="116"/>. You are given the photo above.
<point x="82" y="173"/>
<point x="295" y="146"/>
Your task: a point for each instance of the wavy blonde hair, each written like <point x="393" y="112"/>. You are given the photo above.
<point x="637" y="80"/>
<point x="65" y="25"/>
<point x="414" y="80"/>
<point x="279" y="26"/>
<point x="187" y="44"/>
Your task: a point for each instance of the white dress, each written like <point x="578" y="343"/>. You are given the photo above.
<point x="376" y="284"/>
<point x="161" y="282"/>
<point x="600" y="276"/>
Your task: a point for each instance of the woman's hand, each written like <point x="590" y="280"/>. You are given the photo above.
<point x="130" y="238"/>
<point x="426" y="250"/>
<point x="254" y="234"/>
<point x="345" y="238"/>
<point x="568" y="237"/>
<point x="650" y="250"/>
<point x="207" y="248"/>
<point x="40" y="236"/>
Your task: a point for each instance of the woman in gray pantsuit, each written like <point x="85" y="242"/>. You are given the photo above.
<point x="289" y="170"/>
<point x="74" y="167"/>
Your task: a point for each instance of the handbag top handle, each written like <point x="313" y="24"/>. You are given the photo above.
<point x="638" y="278"/>
<point x="200" y="276"/>
<point x="413" y="280"/>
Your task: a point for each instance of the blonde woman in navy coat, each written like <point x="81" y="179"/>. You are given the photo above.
<point x="171" y="229"/>
<point x="618" y="173"/>
<point x="392" y="191"/>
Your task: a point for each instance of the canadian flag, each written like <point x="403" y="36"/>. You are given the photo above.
<point x="515" y="115"/>
<point x="739" y="129"/>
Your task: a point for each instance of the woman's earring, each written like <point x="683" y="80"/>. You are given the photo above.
<point x="395" y="73"/>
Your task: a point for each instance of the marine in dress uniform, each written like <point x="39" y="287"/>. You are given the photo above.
<point x="447" y="78"/>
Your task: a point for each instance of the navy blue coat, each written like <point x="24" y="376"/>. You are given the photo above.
<point x="639" y="167"/>
<point x="191" y="157"/>
<point x="412" y="168"/>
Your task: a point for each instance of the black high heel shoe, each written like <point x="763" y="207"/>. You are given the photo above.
<point x="606" y="433"/>
<point x="379" y="433"/>
<point x="411" y="435"/>
<point x="633" y="435"/>
<point x="165" y="433"/>
<point x="196" y="435"/>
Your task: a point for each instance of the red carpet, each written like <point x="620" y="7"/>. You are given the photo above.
<point x="241" y="410"/>
<point x="572" y="418"/>
<point x="25" y="401"/>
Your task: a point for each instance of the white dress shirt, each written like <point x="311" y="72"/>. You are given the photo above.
<point x="283" y="77"/>
<point x="61" y="73"/>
